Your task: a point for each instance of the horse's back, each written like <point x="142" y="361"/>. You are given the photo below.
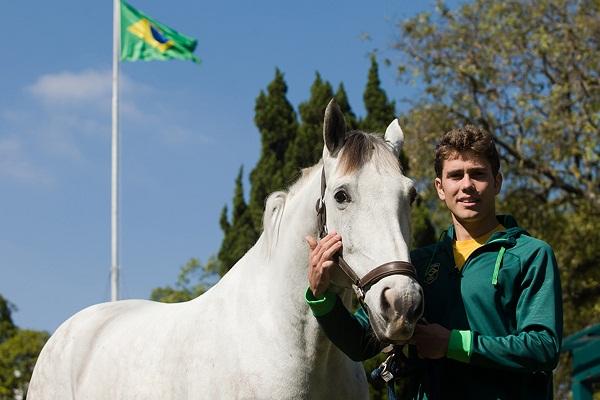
<point x="85" y="348"/>
<point x="137" y="349"/>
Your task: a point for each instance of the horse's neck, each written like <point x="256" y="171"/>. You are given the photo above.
<point x="285" y="276"/>
<point x="269" y="285"/>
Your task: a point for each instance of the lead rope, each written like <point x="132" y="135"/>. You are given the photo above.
<point x="389" y="370"/>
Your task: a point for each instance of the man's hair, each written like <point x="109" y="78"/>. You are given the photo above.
<point x="469" y="138"/>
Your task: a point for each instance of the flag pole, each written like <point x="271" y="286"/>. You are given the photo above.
<point x="114" y="268"/>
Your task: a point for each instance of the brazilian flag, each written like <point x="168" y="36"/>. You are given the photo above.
<point x="143" y="38"/>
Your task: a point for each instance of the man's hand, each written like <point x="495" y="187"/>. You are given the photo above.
<point x="431" y="340"/>
<point x="320" y="261"/>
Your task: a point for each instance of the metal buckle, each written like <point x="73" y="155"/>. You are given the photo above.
<point x="319" y="205"/>
<point x="360" y="294"/>
<point x="385" y="374"/>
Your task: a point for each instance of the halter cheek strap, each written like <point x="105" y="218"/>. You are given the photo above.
<point x="360" y="285"/>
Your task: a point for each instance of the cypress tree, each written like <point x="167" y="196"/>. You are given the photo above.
<point x="239" y="234"/>
<point x="276" y="121"/>
<point x="380" y="111"/>
<point x="342" y="100"/>
<point x="307" y="148"/>
<point x="7" y="326"/>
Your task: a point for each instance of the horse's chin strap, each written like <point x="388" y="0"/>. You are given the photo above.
<point x="360" y="285"/>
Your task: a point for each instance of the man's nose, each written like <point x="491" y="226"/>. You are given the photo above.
<point x="467" y="183"/>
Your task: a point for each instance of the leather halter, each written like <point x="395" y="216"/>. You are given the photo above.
<point x="360" y="285"/>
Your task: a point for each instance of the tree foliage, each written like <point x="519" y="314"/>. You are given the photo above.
<point x="341" y="97"/>
<point x="7" y="326"/>
<point x="19" y="349"/>
<point x="527" y="71"/>
<point x="380" y="110"/>
<point x="276" y="121"/>
<point x="239" y="234"/>
<point x="193" y="280"/>
<point x="307" y="146"/>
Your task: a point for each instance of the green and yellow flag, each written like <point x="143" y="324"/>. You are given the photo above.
<point x="143" y="38"/>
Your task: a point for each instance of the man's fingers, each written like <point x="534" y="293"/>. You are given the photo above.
<point x="326" y="243"/>
<point x="329" y="253"/>
<point x="312" y="243"/>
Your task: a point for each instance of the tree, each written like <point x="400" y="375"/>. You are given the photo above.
<point x="342" y="100"/>
<point x="527" y="71"/>
<point x="204" y="276"/>
<point x="7" y="326"/>
<point x="307" y="147"/>
<point x="18" y="356"/>
<point x="19" y="349"/>
<point x="239" y="235"/>
<point x="380" y="110"/>
<point x="276" y="121"/>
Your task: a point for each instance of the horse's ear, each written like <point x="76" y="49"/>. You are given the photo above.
<point x="274" y="207"/>
<point x="334" y="128"/>
<point x="394" y="135"/>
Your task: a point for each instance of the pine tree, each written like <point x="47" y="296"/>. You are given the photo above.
<point x="307" y="148"/>
<point x="7" y="326"/>
<point x="276" y="121"/>
<point x="380" y="111"/>
<point x="238" y="235"/>
<point x="342" y="100"/>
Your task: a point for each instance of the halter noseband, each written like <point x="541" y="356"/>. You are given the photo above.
<point x="360" y="285"/>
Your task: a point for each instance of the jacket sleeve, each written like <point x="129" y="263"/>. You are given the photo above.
<point x="351" y="333"/>
<point x="535" y="345"/>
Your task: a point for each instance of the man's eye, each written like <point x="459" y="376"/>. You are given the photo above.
<point x="341" y="197"/>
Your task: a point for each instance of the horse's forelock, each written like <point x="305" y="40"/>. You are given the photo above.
<point x="360" y="148"/>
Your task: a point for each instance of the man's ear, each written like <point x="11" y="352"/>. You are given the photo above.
<point x="439" y="188"/>
<point x="498" y="182"/>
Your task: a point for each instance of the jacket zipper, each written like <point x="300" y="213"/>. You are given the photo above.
<point x="485" y="245"/>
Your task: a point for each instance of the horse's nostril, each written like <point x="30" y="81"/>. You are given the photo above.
<point x="386" y="299"/>
<point x="415" y="311"/>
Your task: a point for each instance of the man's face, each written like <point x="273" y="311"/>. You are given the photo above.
<point x="468" y="187"/>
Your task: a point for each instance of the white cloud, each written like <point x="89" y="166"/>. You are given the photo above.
<point x="69" y="121"/>
<point x="15" y="165"/>
<point x="85" y="88"/>
<point x="73" y="87"/>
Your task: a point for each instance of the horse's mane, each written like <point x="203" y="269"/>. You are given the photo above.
<point x="358" y="149"/>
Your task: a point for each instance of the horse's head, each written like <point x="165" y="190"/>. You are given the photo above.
<point x="368" y="199"/>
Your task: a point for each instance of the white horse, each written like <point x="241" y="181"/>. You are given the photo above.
<point x="252" y="335"/>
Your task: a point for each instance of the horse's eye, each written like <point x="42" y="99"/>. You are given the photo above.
<point x="341" y="197"/>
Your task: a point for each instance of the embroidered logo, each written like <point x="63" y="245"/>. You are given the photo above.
<point x="431" y="274"/>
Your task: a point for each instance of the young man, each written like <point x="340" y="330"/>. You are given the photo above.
<point x="492" y="291"/>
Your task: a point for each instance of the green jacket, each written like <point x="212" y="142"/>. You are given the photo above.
<point x="504" y="309"/>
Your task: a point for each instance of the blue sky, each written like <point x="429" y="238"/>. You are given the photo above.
<point x="186" y="129"/>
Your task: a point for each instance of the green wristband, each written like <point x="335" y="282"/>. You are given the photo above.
<point x="321" y="305"/>
<point x="460" y="345"/>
